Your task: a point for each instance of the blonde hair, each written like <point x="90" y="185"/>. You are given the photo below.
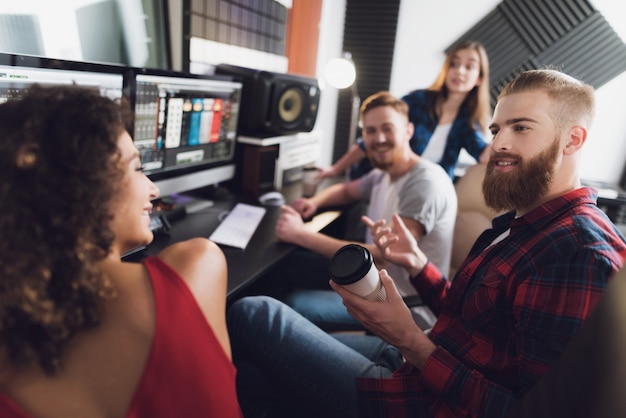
<point x="574" y="101"/>
<point x="478" y="100"/>
<point x="383" y="98"/>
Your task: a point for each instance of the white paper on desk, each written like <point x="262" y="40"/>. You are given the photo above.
<point x="238" y="226"/>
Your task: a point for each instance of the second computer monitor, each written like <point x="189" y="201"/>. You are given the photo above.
<point x="186" y="128"/>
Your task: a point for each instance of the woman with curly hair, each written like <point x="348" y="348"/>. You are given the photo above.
<point x="82" y="333"/>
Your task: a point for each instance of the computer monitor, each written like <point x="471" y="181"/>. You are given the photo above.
<point x="18" y="72"/>
<point x="185" y="128"/>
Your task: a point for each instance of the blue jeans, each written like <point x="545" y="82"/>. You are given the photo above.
<point x="324" y="308"/>
<point x="305" y="274"/>
<point x="286" y="366"/>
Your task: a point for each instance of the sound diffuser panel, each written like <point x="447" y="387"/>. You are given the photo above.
<point x="572" y="36"/>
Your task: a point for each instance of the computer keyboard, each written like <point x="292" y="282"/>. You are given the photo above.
<point x="238" y="226"/>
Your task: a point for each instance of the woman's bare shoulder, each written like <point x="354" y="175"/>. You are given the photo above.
<point x="199" y="261"/>
<point x="192" y="254"/>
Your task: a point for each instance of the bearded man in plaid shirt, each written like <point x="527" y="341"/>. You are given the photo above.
<point x="519" y="298"/>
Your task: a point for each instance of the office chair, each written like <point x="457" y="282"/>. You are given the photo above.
<point x="473" y="215"/>
<point x="589" y="379"/>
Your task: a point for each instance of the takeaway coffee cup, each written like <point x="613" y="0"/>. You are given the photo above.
<point x="309" y="181"/>
<point x="352" y="267"/>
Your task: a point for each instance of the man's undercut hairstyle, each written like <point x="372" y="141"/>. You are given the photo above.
<point x="574" y="102"/>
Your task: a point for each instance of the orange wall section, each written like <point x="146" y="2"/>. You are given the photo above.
<point x="302" y="36"/>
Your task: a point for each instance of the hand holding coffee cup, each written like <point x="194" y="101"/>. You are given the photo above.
<point x="352" y="267"/>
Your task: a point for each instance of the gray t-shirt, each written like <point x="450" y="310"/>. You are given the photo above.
<point x="425" y="194"/>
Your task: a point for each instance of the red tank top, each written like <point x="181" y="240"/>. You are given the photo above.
<point x="187" y="373"/>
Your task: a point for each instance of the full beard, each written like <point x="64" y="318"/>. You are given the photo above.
<point x="524" y="186"/>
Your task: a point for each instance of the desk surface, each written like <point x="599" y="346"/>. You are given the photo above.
<point x="244" y="266"/>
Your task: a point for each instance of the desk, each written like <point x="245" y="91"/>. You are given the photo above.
<point x="244" y="266"/>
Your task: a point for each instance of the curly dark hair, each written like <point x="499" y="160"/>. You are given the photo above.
<point x="58" y="173"/>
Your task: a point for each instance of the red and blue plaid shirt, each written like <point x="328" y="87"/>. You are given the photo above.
<point x="509" y="313"/>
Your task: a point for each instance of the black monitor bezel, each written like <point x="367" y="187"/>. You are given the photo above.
<point x="34" y="61"/>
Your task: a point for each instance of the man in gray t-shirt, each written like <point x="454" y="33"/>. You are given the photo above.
<point x="402" y="182"/>
<point x="424" y="194"/>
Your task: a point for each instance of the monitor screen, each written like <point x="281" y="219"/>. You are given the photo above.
<point x="18" y="72"/>
<point x="185" y="128"/>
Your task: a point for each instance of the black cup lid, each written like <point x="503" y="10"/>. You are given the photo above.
<point x="350" y="263"/>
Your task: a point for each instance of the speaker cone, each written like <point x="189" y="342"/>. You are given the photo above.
<point x="290" y="105"/>
<point x="274" y="103"/>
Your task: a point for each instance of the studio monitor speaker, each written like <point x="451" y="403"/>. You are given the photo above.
<point x="256" y="169"/>
<point x="274" y="103"/>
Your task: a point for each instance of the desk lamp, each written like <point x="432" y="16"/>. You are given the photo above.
<point x="341" y="73"/>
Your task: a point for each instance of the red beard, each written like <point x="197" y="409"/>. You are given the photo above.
<point x="525" y="185"/>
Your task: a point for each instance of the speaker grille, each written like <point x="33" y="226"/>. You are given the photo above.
<point x="290" y="106"/>
<point x="274" y="103"/>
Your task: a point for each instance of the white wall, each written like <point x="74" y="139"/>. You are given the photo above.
<point x="329" y="47"/>
<point x="425" y="29"/>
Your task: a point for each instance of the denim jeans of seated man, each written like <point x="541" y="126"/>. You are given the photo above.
<point x="324" y="308"/>
<point x="304" y="276"/>
<point x="286" y="366"/>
